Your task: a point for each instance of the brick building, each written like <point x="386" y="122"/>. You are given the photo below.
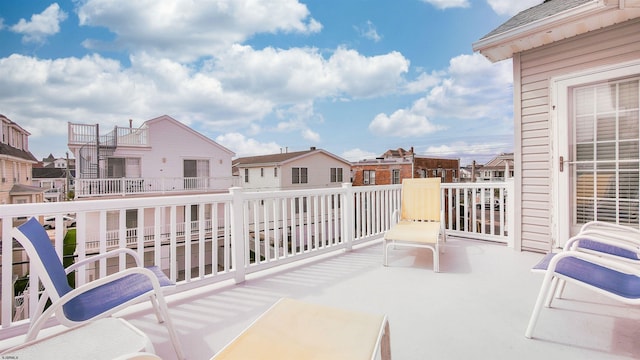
<point x="395" y="165"/>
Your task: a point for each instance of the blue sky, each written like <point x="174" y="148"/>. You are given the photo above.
<point x="353" y="77"/>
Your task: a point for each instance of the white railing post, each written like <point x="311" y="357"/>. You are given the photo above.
<point x="237" y="234"/>
<point x="347" y="215"/>
<point x="511" y="214"/>
<point x="7" y="292"/>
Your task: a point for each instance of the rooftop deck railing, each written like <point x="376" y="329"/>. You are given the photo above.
<point x="105" y="187"/>
<point x="230" y="235"/>
<point x="81" y="134"/>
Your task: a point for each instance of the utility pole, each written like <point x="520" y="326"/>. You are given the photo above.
<point x="66" y="188"/>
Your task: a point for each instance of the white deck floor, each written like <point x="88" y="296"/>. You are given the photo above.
<point x="476" y="308"/>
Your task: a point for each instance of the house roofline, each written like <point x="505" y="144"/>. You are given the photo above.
<point x="503" y="45"/>
<point x="301" y="155"/>
<point x="190" y="130"/>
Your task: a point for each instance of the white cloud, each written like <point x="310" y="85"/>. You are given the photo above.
<point x="231" y="94"/>
<point x="299" y="117"/>
<point x="362" y="76"/>
<point x="243" y="146"/>
<point x="471" y="88"/>
<point x="41" y="25"/>
<point x="300" y="74"/>
<point x="199" y="28"/>
<point x="510" y="7"/>
<point x="444" y="4"/>
<point x="357" y="154"/>
<point x="311" y="135"/>
<point x="402" y="123"/>
<point x="31" y="88"/>
<point x="369" y="31"/>
<point x="422" y="83"/>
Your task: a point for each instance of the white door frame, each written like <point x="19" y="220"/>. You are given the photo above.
<point x="559" y="124"/>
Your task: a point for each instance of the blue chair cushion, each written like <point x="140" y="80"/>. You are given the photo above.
<point x="608" y="249"/>
<point x="615" y="282"/>
<point x="105" y="297"/>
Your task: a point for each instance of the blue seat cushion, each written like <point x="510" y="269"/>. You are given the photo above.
<point x="110" y="295"/>
<point x="621" y="284"/>
<point x="608" y="249"/>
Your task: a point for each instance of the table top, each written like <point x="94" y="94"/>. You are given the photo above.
<point x="293" y="329"/>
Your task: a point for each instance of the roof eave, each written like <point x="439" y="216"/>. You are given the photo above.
<point x="503" y="45"/>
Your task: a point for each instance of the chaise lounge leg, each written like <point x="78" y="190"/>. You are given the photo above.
<point x="544" y="292"/>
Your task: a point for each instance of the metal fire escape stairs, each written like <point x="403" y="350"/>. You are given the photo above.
<point x="93" y="155"/>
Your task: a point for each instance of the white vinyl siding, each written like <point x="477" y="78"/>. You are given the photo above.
<point x="533" y="70"/>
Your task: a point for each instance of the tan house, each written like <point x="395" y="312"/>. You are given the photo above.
<point x="576" y="66"/>
<point x="16" y="162"/>
<point x="395" y="165"/>
<point x="496" y="169"/>
<point x="307" y="169"/>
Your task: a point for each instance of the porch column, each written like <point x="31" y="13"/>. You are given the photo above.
<point x="347" y="215"/>
<point x="237" y="234"/>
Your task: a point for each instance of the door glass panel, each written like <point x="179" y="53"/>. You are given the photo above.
<point x="606" y="152"/>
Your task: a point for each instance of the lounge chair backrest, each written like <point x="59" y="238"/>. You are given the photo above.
<point x="420" y="199"/>
<point x="32" y="236"/>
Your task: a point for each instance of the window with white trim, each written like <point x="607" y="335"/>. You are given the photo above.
<point x="336" y="175"/>
<point x="299" y="175"/>
<point x="395" y="176"/>
<point x="369" y="177"/>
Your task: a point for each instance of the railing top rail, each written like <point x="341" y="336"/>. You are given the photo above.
<point x="17" y="210"/>
<point x="474" y="185"/>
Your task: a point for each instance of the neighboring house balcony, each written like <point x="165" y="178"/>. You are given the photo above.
<point x="82" y="134"/>
<point x="323" y="246"/>
<point x="94" y="149"/>
<point x="109" y="187"/>
<point x="54" y="194"/>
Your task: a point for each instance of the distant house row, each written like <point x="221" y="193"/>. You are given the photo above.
<point x="165" y="156"/>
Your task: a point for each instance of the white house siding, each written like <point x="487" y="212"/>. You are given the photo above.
<point x="260" y="180"/>
<point x="533" y="72"/>
<point x="170" y="143"/>
<point x="318" y="171"/>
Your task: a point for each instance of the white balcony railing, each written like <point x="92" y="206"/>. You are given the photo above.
<point x="134" y="186"/>
<point x="240" y="232"/>
<point x="81" y="134"/>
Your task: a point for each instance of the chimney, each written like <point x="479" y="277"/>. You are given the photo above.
<point x="473" y="171"/>
<point x="130" y="123"/>
<point x="312" y="148"/>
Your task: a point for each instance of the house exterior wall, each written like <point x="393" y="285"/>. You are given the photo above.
<point x="383" y="173"/>
<point x="170" y="144"/>
<point x="533" y="71"/>
<point x="261" y="178"/>
<point x="16" y="163"/>
<point x="15" y="171"/>
<point x="421" y="167"/>
<point x="447" y="169"/>
<point x="318" y="171"/>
